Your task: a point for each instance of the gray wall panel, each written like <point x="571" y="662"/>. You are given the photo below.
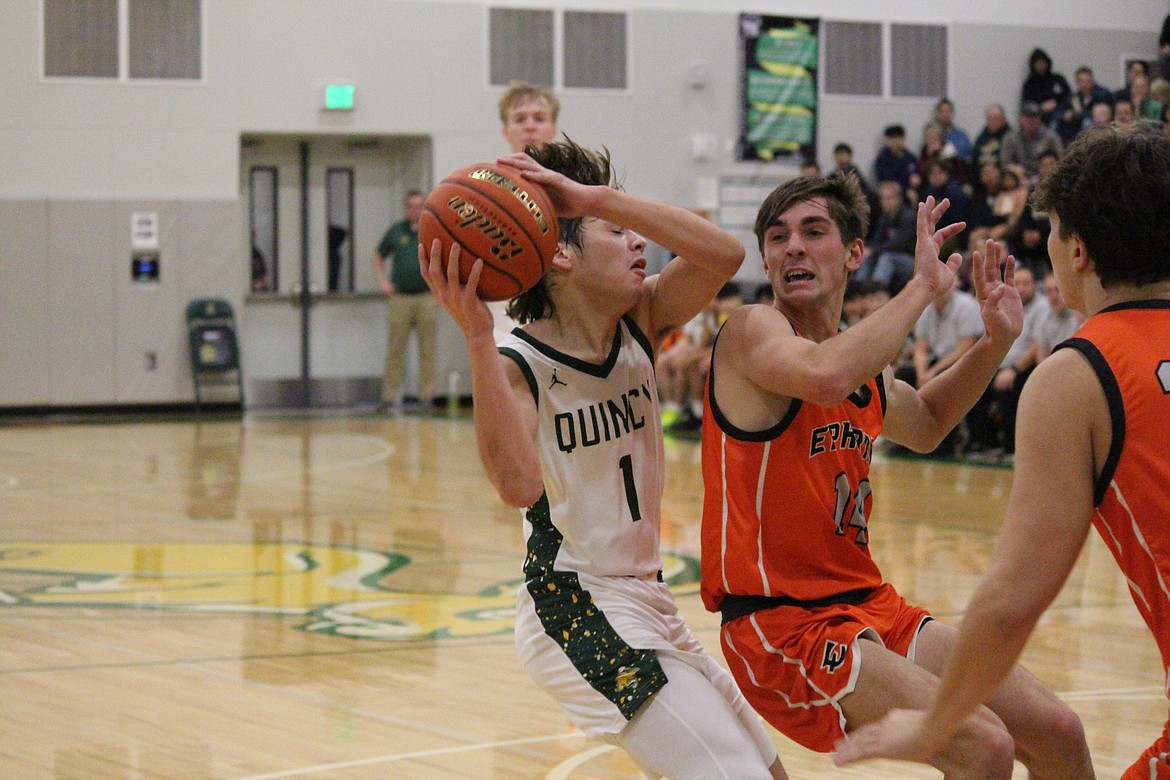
<point x="81" y="302"/>
<point x="24" y="303"/>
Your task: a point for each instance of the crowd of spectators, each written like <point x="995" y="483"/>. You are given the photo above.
<point x="989" y="182"/>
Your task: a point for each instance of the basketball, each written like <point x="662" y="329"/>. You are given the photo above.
<point x="497" y="215"/>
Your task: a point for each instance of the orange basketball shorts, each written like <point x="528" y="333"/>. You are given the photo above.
<point x="1154" y="764"/>
<point x="794" y="665"/>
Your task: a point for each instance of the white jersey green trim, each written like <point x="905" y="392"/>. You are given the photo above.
<point x="599" y="440"/>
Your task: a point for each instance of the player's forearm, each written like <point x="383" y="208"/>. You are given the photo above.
<point x="679" y="230"/>
<point x="952" y="393"/>
<point x="863" y="350"/>
<point x="991" y="638"/>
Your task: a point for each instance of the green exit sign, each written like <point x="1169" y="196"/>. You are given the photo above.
<point x="339" y="97"/>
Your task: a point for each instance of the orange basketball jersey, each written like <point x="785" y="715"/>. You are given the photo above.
<point x="1128" y="346"/>
<point x="786" y="509"/>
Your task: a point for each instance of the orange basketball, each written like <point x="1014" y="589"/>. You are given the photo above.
<point x="495" y="214"/>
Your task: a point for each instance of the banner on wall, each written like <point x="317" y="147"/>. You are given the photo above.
<point x="778" y="120"/>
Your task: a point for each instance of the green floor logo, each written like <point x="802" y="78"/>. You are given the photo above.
<point x="338" y="590"/>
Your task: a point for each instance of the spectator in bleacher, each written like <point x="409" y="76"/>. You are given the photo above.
<point x="1048" y="90"/>
<point x="1029" y="243"/>
<point x="941" y="184"/>
<point x="1024" y="145"/>
<point x="1123" y="113"/>
<point x="1160" y="94"/>
<point x="1145" y="107"/>
<point x="843" y="163"/>
<point x="1101" y="115"/>
<point x="853" y="303"/>
<point x="895" y="162"/>
<point x="843" y="166"/>
<point x="862" y="298"/>
<point x="996" y="212"/>
<point x="955" y="140"/>
<point x="1010" y="202"/>
<point x="1058" y="323"/>
<point x="1015" y="370"/>
<point x="682" y="366"/>
<point x="934" y="147"/>
<point x="991" y="423"/>
<point x="889" y="254"/>
<point x="990" y="138"/>
<point x="1077" y="115"/>
<point x="1134" y="68"/>
<point x="984" y="190"/>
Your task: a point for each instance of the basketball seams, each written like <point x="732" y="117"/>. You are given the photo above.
<point x="534" y="190"/>
<point x="489" y="195"/>
<point x="491" y="220"/>
<point x="453" y="239"/>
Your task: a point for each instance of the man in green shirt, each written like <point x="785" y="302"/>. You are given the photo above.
<point x="412" y="307"/>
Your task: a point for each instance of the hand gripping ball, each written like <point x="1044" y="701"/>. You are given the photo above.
<point x="495" y="214"/>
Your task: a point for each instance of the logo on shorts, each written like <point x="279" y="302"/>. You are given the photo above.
<point x="627" y="676"/>
<point x="834" y="656"/>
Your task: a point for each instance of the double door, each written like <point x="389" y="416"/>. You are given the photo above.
<point x="314" y="332"/>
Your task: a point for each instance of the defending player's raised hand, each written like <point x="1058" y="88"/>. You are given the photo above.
<point x="460" y="300"/>
<point x="938" y="274"/>
<point x="999" y="301"/>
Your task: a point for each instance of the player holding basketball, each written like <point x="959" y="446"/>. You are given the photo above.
<point x="819" y="644"/>
<point x="567" y="423"/>
<point x="1091" y="446"/>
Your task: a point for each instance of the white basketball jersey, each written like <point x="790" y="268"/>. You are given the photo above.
<point x="599" y="438"/>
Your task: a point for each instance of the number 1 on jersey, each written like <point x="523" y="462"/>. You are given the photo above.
<point x="627" y="464"/>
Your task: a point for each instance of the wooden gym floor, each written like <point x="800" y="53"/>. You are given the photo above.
<point x="330" y="597"/>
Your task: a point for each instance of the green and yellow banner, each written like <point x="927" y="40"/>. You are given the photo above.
<point x="779" y="88"/>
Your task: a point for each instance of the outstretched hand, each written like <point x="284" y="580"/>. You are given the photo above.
<point x="460" y="300"/>
<point x="899" y="734"/>
<point x="999" y="300"/>
<point x="938" y="276"/>
<point x="568" y="196"/>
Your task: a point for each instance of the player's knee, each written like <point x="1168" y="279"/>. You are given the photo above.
<point x="1066" y="727"/>
<point x="1002" y="754"/>
<point x="999" y="754"/>
<point x="1062" y="750"/>
<point x="984" y="749"/>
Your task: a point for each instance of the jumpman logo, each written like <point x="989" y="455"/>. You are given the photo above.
<point x="556" y="381"/>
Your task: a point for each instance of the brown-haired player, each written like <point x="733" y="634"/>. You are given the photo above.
<point x="1091" y="442"/>
<point x="568" y="428"/>
<point x="818" y="642"/>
